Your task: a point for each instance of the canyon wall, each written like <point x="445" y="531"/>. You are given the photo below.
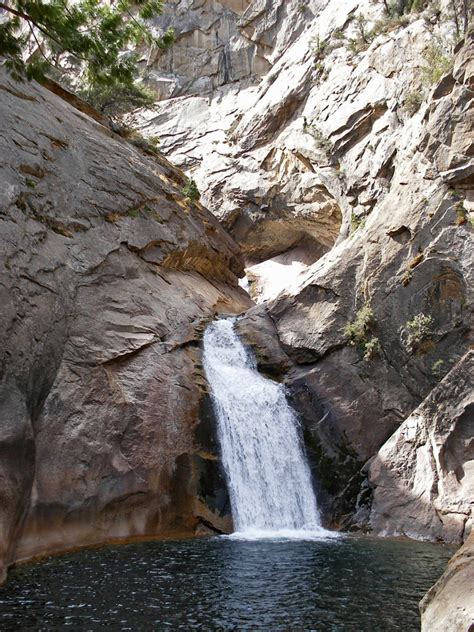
<point x="109" y="274"/>
<point x="336" y="148"/>
<point x="343" y="168"/>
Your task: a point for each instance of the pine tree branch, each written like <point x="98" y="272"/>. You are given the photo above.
<point x="32" y="31"/>
<point x="29" y="19"/>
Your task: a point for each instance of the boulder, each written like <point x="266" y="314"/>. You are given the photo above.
<point x="448" y="605"/>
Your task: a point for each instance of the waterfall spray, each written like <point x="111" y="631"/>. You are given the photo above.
<point x="267" y="473"/>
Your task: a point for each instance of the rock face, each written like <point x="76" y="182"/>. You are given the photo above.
<point x="256" y="57"/>
<point x="107" y="277"/>
<point x="423" y="475"/>
<point x="449" y="604"/>
<point x="323" y="144"/>
<point x="371" y="327"/>
<point x="348" y="183"/>
<point x="291" y="151"/>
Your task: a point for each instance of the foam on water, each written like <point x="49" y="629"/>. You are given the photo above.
<point x="268" y="476"/>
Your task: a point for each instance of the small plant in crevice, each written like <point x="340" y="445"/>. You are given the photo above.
<point x="302" y="6"/>
<point x="148" y="145"/>
<point x="462" y="214"/>
<point x="412" y="102"/>
<point x="321" y="140"/>
<point x="321" y="71"/>
<point x="190" y="190"/>
<point x="372" y="349"/>
<point x="359" y="333"/>
<point x="437" y="368"/>
<point x="134" y="213"/>
<point x="400" y="8"/>
<point x="356" y="222"/>
<point x="320" y="47"/>
<point x="411" y="265"/>
<point x="358" y="329"/>
<point x="419" y="329"/>
<point x="364" y="35"/>
<point x="437" y="62"/>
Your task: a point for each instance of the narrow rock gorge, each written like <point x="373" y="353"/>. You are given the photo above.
<point x="353" y="210"/>
<point x="333" y="150"/>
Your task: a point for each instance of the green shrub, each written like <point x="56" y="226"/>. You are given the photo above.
<point x="438" y="62"/>
<point x="323" y="47"/>
<point x="356" y="222"/>
<point x="402" y="7"/>
<point x="358" y="329"/>
<point x="146" y="144"/>
<point x="190" y="190"/>
<point x="412" y="102"/>
<point x="338" y="34"/>
<point x="320" y="47"/>
<point x="437" y="368"/>
<point x="461" y="214"/>
<point x="419" y="328"/>
<point x="372" y="348"/>
<point x="358" y="333"/>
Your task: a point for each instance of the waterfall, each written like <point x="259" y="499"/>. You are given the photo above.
<point x="268" y="477"/>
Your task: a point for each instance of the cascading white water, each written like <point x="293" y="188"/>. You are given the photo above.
<point x="268" y="477"/>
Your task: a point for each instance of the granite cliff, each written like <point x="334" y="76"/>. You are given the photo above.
<point x="335" y="146"/>
<point x="108" y="275"/>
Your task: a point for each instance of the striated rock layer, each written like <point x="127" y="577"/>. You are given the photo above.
<point x="367" y="332"/>
<point x="290" y="152"/>
<point x="423" y="476"/>
<point x="107" y="277"/>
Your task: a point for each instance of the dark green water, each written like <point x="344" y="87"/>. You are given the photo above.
<point x="345" y="585"/>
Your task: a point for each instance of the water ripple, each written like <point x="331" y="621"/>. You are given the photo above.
<point x="345" y="585"/>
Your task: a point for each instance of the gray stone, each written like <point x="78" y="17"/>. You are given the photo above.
<point x="108" y="275"/>
<point x="448" y="605"/>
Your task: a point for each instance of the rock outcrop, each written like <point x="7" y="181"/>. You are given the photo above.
<point x="448" y="605"/>
<point x="108" y="274"/>
<point x="367" y="331"/>
<point x="348" y="183"/>
<point x="290" y="152"/>
<point x="423" y="475"/>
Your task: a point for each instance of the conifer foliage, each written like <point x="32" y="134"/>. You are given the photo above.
<point x="100" y="37"/>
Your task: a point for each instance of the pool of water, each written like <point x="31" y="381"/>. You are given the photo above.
<point x="350" y="584"/>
